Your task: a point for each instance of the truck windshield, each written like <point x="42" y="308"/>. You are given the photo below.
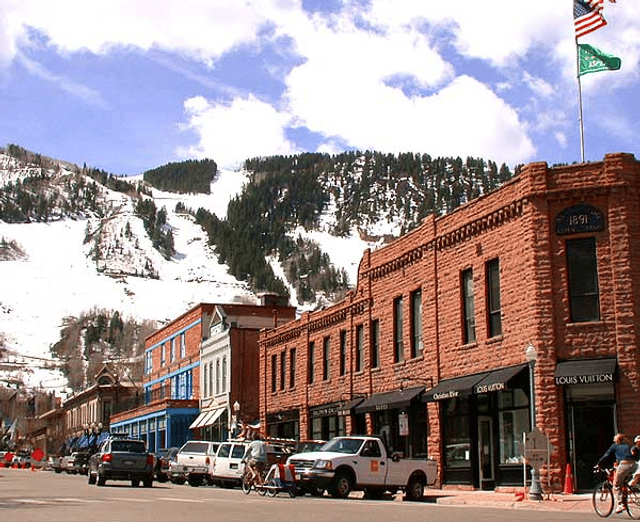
<point x="348" y="446"/>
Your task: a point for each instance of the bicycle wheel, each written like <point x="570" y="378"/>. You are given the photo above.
<point x="246" y="483"/>
<point x="271" y="487"/>
<point x="603" y="499"/>
<point x="261" y="489"/>
<point x="633" y="503"/>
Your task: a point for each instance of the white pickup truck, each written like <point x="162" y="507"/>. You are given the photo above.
<point x="347" y="464"/>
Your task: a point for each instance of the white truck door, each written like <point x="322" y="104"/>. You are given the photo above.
<point x="372" y="464"/>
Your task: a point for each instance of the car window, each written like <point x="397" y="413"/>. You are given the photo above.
<point x="348" y="446"/>
<point x="195" y="447"/>
<point x="224" y="450"/>
<point x="238" y="451"/>
<point x="130" y="446"/>
<point x="213" y="449"/>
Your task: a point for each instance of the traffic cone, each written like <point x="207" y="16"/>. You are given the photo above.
<point x="568" y="481"/>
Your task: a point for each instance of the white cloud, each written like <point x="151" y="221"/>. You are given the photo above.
<point x="232" y="132"/>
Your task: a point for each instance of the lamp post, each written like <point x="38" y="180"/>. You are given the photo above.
<point x="535" y="492"/>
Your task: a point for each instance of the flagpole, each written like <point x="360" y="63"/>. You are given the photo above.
<point x="580" y="102"/>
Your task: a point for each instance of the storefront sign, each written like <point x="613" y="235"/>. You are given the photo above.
<point x="584" y="379"/>
<point x="579" y="218"/>
<point x="486" y="388"/>
<point x="445" y="395"/>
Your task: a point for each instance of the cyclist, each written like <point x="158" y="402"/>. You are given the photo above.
<point x="635" y="450"/>
<point x="256" y="457"/>
<point x="626" y="465"/>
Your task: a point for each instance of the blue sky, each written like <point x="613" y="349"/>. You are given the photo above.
<point x="128" y="86"/>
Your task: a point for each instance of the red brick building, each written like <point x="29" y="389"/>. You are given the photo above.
<point x="430" y="349"/>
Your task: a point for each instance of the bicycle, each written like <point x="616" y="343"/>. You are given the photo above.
<point x="603" y="498"/>
<point x="249" y="481"/>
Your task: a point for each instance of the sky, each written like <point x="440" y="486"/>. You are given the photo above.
<point x="128" y="86"/>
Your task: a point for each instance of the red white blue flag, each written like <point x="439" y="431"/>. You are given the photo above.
<point x="587" y="16"/>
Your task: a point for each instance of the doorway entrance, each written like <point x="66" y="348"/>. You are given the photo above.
<point x="485" y="453"/>
<point x="592" y="428"/>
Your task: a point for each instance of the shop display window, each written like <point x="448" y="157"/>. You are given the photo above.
<point x="513" y="417"/>
<point x="457" y="433"/>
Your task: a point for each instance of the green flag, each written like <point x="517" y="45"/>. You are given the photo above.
<point x="594" y="60"/>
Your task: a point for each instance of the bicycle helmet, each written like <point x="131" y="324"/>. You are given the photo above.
<point x="637" y="439"/>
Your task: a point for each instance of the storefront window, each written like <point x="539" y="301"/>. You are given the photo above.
<point x="456" y="433"/>
<point x="325" y="428"/>
<point x="513" y="419"/>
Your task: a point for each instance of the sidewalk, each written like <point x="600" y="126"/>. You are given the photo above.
<point x="578" y="503"/>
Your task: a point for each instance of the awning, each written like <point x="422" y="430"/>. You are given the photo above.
<point x="340" y="409"/>
<point x="389" y="400"/>
<point x="484" y="382"/>
<point x="498" y="380"/>
<point x="212" y="417"/>
<point x="586" y="371"/>
<point x="198" y="420"/>
<point x="457" y="387"/>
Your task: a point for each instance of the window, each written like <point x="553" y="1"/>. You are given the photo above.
<point x="292" y="368"/>
<point x="359" y="348"/>
<point x="326" y="361"/>
<point x="205" y="380"/>
<point x="183" y="346"/>
<point x="311" y="363"/>
<point x="274" y="373"/>
<point x="173" y="349"/>
<point x="283" y="370"/>
<point x="468" y="308"/>
<point x="343" y="352"/>
<point x="224" y="374"/>
<point x="456" y="432"/>
<point x="398" y="347"/>
<point x="416" y="324"/>
<point x="218" y="375"/>
<point x="494" y="320"/>
<point x="514" y="420"/>
<point x="149" y="362"/>
<point x="162" y="354"/>
<point x="582" y="265"/>
<point x="211" y="377"/>
<point x="375" y="343"/>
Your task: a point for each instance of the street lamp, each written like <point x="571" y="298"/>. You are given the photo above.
<point x="535" y="492"/>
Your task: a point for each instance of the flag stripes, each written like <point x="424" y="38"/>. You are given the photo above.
<point x="587" y="16"/>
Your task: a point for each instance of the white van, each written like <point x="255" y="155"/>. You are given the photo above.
<point x="227" y="467"/>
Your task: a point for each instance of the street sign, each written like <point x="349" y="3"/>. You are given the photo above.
<point x="537" y="448"/>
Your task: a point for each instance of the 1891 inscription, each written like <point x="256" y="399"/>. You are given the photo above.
<point x="579" y="218"/>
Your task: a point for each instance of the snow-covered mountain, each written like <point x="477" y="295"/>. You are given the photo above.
<point x="55" y="270"/>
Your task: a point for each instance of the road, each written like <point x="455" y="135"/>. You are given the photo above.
<point x="44" y="496"/>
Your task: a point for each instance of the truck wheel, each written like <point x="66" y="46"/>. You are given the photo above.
<point x="341" y="486"/>
<point x="415" y="489"/>
<point x="148" y="482"/>
<point x="194" y="480"/>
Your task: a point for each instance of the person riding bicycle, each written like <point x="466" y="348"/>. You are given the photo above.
<point x="256" y="458"/>
<point x="635" y="450"/>
<point x="626" y="465"/>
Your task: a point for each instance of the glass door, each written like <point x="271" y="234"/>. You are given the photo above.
<point x="485" y="452"/>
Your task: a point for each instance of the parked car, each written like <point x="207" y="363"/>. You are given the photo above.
<point x="192" y="461"/>
<point x="66" y="463"/>
<point x="80" y="462"/>
<point x="163" y="460"/>
<point x="122" y="459"/>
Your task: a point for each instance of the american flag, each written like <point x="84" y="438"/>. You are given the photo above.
<point x="587" y="16"/>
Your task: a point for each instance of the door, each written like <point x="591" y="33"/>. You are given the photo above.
<point x="372" y="467"/>
<point x="592" y="429"/>
<point x="485" y="452"/>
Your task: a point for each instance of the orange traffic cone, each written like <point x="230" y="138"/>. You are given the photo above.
<point x="568" y="481"/>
